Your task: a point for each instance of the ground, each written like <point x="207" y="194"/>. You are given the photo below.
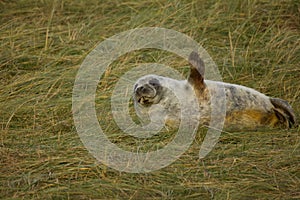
<point x="43" y="43"/>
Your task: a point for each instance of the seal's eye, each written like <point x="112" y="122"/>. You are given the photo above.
<point x="154" y="82"/>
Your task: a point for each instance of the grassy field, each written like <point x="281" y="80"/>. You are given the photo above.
<point x="42" y="45"/>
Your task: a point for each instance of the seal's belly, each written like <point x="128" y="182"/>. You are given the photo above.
<point x="251" y="118"/>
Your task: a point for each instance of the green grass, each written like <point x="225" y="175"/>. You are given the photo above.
<point x="43" y="43"/>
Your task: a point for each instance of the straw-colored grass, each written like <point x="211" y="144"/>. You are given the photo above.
<point x="43" y="43"/>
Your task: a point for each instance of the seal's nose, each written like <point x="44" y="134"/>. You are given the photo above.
<point x="142" y="90"/>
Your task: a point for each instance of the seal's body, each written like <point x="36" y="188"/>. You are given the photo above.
<point x="246" y="108"/>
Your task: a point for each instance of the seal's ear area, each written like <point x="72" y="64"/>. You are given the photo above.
<point x="196" y="78"/>
<point x="284" y="112"/>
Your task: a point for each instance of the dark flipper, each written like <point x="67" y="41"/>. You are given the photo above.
<point x="284" y="112"/>
<point x="196" y="78"/>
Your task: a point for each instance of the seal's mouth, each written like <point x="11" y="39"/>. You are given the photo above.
<point x="145" y="94"/>
<point x="145" y="101"/>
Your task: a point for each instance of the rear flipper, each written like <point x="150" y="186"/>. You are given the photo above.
<point x="284" y="112"/>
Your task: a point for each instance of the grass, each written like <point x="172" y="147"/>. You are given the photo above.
<point x="43" y="43"/>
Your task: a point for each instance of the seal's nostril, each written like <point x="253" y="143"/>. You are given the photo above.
<point x="143" y="89"/>
<point x="140" y="90"/>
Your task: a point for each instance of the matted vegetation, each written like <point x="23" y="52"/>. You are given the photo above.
<point x="43" y="43"/>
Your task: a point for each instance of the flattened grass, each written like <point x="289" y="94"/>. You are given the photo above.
<point x="254" y="43"/>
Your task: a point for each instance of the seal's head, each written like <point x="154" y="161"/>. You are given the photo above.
<point x="148" y="90"/>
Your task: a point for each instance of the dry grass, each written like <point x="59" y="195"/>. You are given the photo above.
<point x="255" y="43"/>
